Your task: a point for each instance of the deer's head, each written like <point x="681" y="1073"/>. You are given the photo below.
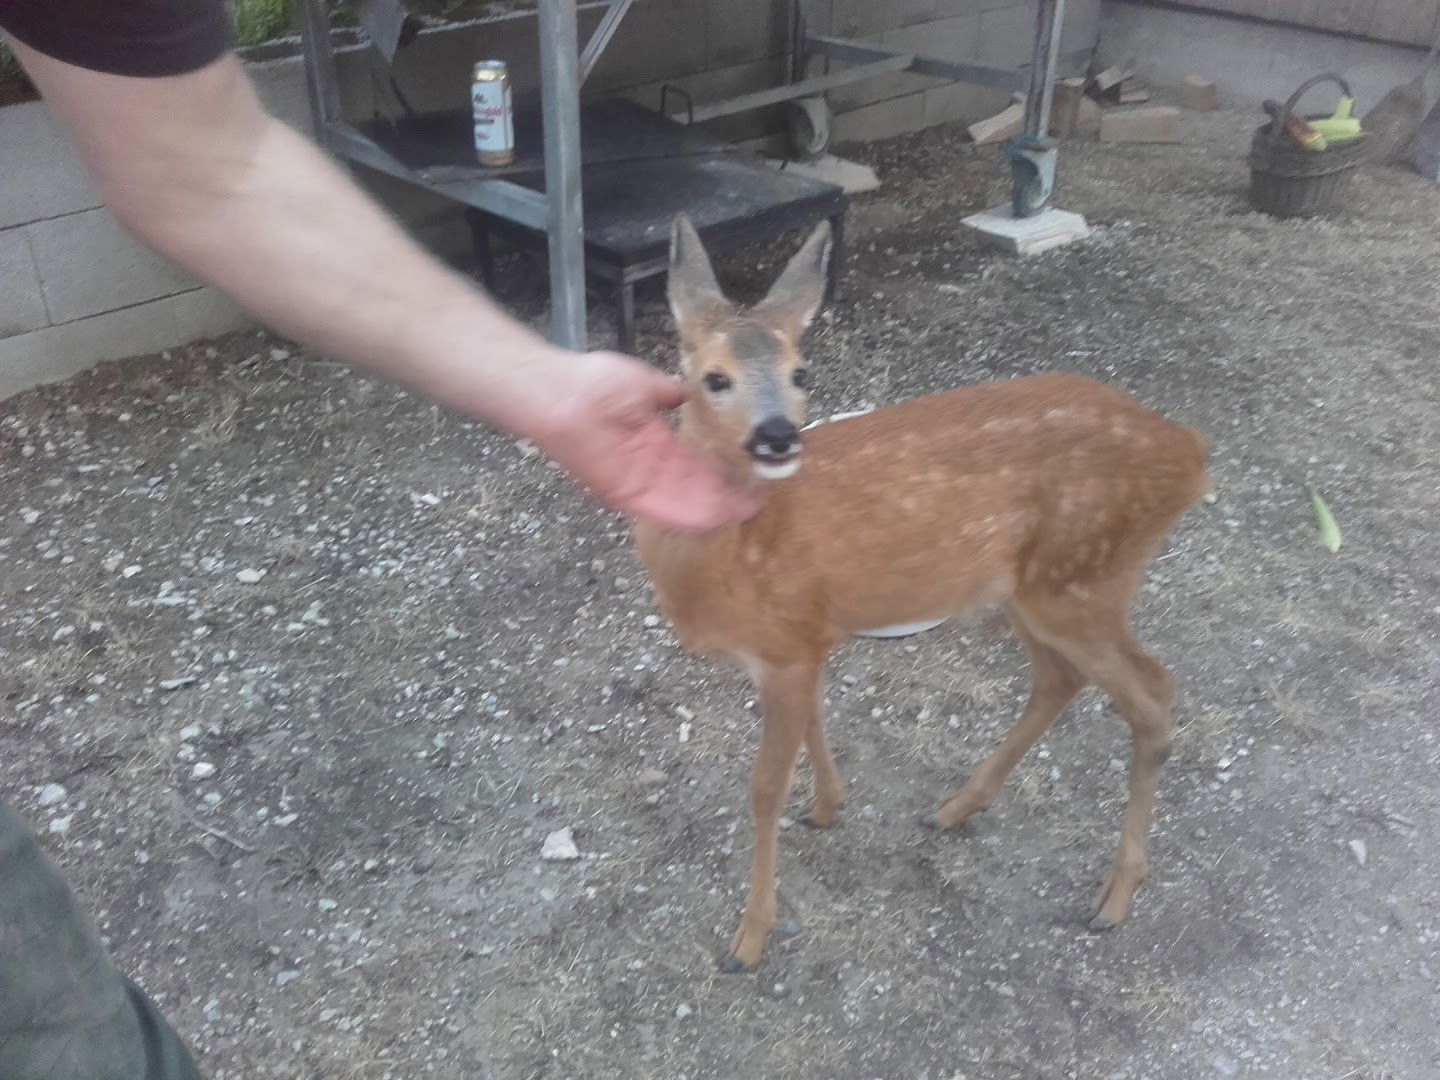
<point x="747" y="377"/>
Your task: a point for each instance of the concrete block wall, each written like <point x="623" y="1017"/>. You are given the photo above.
<point x="75" y="289"/>
<point x="997" y="33"/>
<point x="1249" y="59"/>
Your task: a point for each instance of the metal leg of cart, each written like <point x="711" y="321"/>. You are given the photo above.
<point x="560" y="104"/>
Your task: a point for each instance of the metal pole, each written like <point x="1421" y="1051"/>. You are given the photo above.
<point x="560" y="103"/>
<point x="322" y="82"/>
<point x="1052" y="58"/>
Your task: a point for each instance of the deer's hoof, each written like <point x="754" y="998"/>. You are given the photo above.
<point x="931" y="822"/>
<point x="731" y="965"/>
<point x="1100" y="924"/>
<point x="789" y="930"/>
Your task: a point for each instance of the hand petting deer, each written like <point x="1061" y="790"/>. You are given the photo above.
<point x="1047" y="495"/>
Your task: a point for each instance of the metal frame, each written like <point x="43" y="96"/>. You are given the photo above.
<point x="559" y="210"/>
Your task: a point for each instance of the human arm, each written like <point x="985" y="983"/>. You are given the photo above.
<point x="194" y="167"/>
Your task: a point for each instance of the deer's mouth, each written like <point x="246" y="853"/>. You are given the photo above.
<point x="776" y="466"/>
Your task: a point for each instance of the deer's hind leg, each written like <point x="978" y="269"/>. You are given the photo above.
<point x="1092" y="632"/>
<point x="1054" y="681"/>
<point x="829" y="788"/>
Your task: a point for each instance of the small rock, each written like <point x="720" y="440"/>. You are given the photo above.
<point x="288" y="819"/>
<point x="129" y="571"/>
<point x="326" y="905"/>
<point x="61" y="825"/>
<point x="176" y="684"/>
<point x="202" y="770"/>
<point x="51" y="794"/>
<point x="249" y="576"/>
<point x="1357" y="848"/>
<point x="279" y="356"/>
<point x="779" y="990"/>
<point x="684" y="713"/>
<point x="651" y="621"/>
<point x="683" y="1011"/>
<point x="560" y="846"/>
<point x="289" y="975"/>
<point x="651" y="778"/>
<point x="29" y="517"/>
<point x="190" y="733"/>
<point x="684" y="732"/>
<point x="371" y="865"/>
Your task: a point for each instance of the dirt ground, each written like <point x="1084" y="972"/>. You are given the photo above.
<point x="318" y="668"/>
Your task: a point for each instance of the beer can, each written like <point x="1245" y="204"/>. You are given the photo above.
<point x="494" y="113"/>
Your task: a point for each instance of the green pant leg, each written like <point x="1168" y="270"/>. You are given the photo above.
<point x="65" y="1012"/>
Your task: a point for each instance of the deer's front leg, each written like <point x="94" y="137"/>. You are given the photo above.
<point x="789" y="697"/>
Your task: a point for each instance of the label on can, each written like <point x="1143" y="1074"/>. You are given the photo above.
<point x="494" y="120"/>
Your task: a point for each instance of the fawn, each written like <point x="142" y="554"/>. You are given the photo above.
<point x="1047" y="494"/>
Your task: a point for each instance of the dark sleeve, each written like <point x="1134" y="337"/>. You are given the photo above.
<point x="123" y="37"/>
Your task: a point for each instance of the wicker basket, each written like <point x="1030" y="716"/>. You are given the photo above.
<point x="1287" y="180"/>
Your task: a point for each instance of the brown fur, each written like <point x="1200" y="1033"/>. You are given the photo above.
<point x="1047" y="494"/>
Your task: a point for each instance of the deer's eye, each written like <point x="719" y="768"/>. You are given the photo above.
<point x="801" y="377"/>
<point x="717" y="383"/>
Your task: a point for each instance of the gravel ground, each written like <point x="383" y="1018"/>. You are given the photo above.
<point x="299" y="674"/>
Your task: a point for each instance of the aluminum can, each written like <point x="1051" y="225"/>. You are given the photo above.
<point x="494" y="113"/>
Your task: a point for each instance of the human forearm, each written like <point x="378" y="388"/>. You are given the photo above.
<point x="244" y="203"/>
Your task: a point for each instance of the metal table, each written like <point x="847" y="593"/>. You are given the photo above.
<point x="557" y="208"/>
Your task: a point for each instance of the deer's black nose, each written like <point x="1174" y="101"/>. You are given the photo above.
<point x="775" y="437"/>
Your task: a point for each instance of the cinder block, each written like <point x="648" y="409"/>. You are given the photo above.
<point x="955" y="38"/>
<point x="717" y="85"/>
<point x="42" y="173"/>
<point x="739" y="31"/>
<point x="1198" y="94"/>
<point x="22" y="306"/>
<point x="660" y="39"/>
<point x="1160" y="124"/>
<point x="881" y="120"/>
<point x="55" y="353"/>
<point x="88" y="264"/>
<point x="871" y="18"/>
<point x="1007" y="36"/>
<point x="962" y="102"/>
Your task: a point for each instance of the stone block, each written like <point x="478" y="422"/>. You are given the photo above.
<point x="1198" y="94"/>
<point x="1160" y="124"/>
<point x="54" y="353"/>
<point x="88" y="264"/>
<point x="22" y="305"/>
<point x="43" y="176"/>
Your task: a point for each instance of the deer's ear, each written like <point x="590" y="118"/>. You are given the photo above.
<point x="695" y="297"/>
<point x="797" y="294"/>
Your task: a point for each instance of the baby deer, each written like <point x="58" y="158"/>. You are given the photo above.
<point x="1047" y="495"/>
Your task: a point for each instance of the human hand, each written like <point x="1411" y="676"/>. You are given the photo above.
<point x="603" y="425"/>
